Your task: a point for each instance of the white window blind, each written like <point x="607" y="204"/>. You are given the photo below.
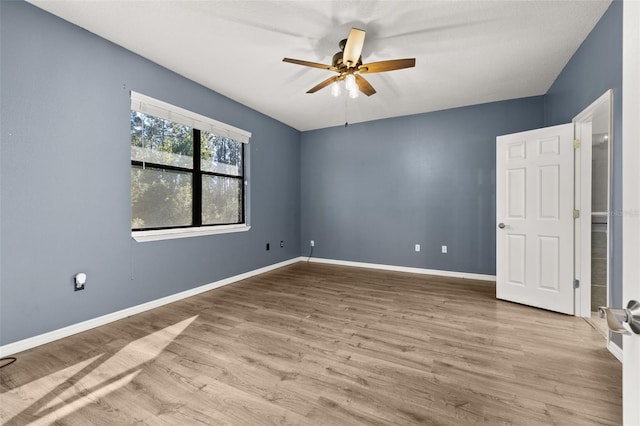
<point x="156" y="108"/>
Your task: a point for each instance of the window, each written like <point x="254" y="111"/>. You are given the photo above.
<point x="187" y="170"/>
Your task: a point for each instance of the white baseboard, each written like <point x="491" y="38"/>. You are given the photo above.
<point x="422" y="271"/>
<point x="51" y="336"/>
<point x="615" y="350"/>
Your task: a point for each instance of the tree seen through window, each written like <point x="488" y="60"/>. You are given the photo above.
<point x="172" y="165"/>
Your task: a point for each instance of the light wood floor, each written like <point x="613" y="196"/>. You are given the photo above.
<point x="319" y="344"/>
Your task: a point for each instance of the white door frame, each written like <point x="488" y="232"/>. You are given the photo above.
<point x="582" y="253"/>
<point x="631" y="203"/>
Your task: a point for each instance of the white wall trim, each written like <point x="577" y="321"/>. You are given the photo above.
<point x="32" y="342"/>
<point x="60" y="333"/>
<point x="421" y="271"/>
<point x="168" y="234"/>
<point x="615" y="350"/>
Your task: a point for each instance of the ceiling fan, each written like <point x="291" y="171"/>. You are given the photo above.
<point x="348" y="64"/>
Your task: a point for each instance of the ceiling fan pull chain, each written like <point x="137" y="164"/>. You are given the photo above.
<point x="346" y="105"/>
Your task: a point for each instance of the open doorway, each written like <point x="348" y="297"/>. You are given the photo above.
<point x="598" y="114"/>
<point x="600" y="158"/>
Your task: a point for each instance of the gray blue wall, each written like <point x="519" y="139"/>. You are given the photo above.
<point x="593" y="69"/>
<point x="65" y="195"/>
<point x="366" y="193"/>
<point x="371" y="191"/>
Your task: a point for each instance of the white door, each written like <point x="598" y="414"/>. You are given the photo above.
<point x="631" y="204"/>
<point x="534" y="211"/>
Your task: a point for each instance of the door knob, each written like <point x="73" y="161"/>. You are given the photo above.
<point x="501" y="225"/>
<point x="617" y="317"/>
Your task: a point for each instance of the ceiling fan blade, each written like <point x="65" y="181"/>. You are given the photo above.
<point x="384" y="66"/>
<point x="323" y="84"/>
<point x="309" y="64"/>
<point x="353" y="48"/>
<point x="364" y="86"/>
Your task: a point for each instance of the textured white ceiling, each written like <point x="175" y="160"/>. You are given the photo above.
<point x="467" y="52"/>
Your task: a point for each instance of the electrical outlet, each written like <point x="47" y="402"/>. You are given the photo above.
<point x="417" y="247"/>
<point x="313" y="243"/>
<point x="79" y="280"/>
<point x="281" y="244"/>
<point x="444" y="249"/>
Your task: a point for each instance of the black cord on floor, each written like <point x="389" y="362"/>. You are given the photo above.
<point x="310" y="253"/>
<point x="10" y="359"/>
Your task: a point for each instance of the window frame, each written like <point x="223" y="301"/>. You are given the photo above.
<point x="143" y="104"/>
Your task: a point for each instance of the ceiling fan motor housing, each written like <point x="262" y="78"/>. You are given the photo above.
<point x="337" y="62"/>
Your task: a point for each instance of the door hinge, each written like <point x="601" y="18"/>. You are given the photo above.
<point x="576" y="214"/>
<point x="576" y="283"/>
<point x="576" y="143"/>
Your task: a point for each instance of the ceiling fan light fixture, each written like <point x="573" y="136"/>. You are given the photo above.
<point x="336" y="90"/>
<point x="350" y="83"/>
<point x="353" y="93"/>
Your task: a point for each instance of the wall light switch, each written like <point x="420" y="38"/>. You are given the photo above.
<point x="444" y="249"/>
<point x="417" y="247"/>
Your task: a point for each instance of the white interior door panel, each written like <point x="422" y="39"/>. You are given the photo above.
<point x="534" y="198"/>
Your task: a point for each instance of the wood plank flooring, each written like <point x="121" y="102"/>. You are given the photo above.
<point x="325" y="345"/>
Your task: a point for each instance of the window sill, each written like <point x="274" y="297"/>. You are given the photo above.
<point x="169" y="234"/>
